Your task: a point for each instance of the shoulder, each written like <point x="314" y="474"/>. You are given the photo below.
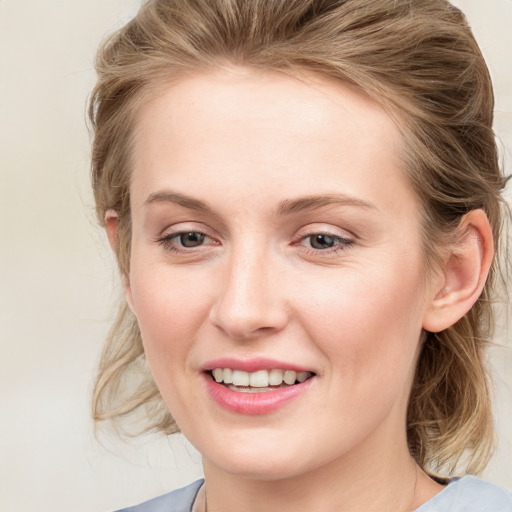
<point x="180" y="500"/>
<point x="469" y="494"/>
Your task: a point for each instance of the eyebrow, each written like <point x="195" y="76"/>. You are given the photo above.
<point x="313" y="202"/>
<point x="181" y="199"/>
<point x="286" y="207"/>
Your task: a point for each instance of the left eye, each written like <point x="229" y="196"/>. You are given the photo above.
<point x="183" y="240"/>
<point x="189" y="239"/>
<point x="323" y="241"/>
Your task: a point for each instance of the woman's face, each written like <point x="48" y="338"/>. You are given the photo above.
<point x="274" y="229"/>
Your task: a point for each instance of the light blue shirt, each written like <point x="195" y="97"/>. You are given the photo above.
<point x="469" y="494"/>
<point x="466" y="494"/>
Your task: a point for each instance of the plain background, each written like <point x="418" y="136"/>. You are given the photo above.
<point x="58" y="285"/>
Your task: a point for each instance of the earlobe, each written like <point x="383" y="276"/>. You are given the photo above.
<point x="112" y="229"/>
<point x="464" y="273"/>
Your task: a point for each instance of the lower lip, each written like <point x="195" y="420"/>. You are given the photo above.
<point x="254" y="403"/>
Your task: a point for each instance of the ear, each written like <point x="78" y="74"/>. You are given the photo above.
<point x="463" y="273"/>
<point x="112" y="228"/>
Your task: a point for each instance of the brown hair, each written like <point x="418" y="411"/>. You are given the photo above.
<point x="416" y="58"/>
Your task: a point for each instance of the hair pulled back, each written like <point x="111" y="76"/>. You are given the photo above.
<point x="419" y="60"/>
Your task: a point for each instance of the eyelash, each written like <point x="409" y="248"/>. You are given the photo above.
<point x="168" y="244"/>
<point x="340" y="243"/>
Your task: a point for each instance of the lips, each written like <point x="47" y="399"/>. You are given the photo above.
<point x="256" y="386"/>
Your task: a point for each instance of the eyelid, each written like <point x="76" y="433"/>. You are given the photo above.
<point x="340" y="243"/>
<point x="339" y="238"/>
<point x="166" y="236"/>
<point x="185" y="227"/>
<point x="321" y="228"/>
<point x="343" y="239"/>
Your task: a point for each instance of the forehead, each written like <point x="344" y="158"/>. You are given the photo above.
<point x="263" y="131"/>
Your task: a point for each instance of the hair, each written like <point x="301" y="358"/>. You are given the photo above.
<point x="419" y="60"/>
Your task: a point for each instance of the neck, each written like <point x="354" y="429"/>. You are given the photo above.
<point x="368" y="481"/>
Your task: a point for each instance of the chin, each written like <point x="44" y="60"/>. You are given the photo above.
<point x="259" y="468"/>
<point x="267" y="460"/>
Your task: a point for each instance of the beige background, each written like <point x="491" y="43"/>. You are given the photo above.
<point x="57" y="280"/>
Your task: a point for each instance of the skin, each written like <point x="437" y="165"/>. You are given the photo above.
<point x="245" y="144"/>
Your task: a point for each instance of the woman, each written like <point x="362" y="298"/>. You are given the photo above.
<point x="304" y="199"/>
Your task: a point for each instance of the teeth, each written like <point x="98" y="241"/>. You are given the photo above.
<point x="240" y="378"/>
<point x="275" y="377"/>
<point x="290" y="377"/>
<point x="302" y="376"/>
<point x="228" y="375"/>
<point x="260" y="378"/>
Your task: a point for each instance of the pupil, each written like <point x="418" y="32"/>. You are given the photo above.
<point x="322" y="241"/>
<point x="191" y="239"/>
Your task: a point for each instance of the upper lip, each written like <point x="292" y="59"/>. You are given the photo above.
<point x="252" y="365"/>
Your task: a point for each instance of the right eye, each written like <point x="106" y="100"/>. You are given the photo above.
<point x="190" y="239"/>
<point x="185" y="240"/>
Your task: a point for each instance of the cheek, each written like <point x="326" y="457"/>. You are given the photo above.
<point x="170" y="306"/>
<point x="368" y="323"/>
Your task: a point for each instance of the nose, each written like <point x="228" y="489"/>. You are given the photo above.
<point x="250" y="303"/>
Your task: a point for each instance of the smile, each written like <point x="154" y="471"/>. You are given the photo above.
<point x="253" y="390"/>
<point x="258" y="381"/>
